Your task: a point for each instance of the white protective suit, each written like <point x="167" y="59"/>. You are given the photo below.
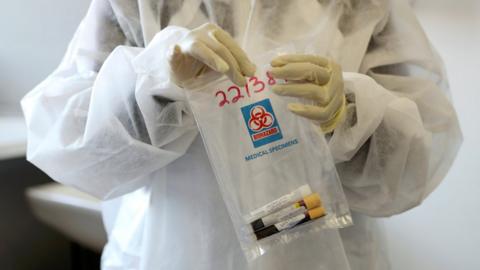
<point x="110" y="121"/>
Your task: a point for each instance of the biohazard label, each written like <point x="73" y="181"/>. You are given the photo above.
<point x="261" y="123"/>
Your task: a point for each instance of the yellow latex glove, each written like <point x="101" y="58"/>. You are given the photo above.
<point x="314" y="78"/>
<point x="209" y="49"/>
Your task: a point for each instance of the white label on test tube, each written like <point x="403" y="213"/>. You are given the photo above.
<point x="281" y="202"/>
<point x="283" y="214"/>
<point x="289" y="223"/>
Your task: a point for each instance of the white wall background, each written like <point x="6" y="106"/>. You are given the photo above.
<point x="34" y="37"/>
<point x="441" y="234"/>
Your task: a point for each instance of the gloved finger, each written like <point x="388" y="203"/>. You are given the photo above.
<point x="313" y="112"/>
<point x="330" y="125"/>
<point x="202" y="53"/>
<point x="233" y="72"/>
<point x="311" y="91"/>
<point x="302" y="71"/>
<point x="246" y="66"/>
<point x="282" y="60"/>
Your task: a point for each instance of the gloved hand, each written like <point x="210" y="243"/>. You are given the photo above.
<point x="209" y="49"/>
<point x="314" y="78"/>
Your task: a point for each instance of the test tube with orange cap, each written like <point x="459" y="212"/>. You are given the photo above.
<point x="309" y="202"/>
<point x="290" y="223"/>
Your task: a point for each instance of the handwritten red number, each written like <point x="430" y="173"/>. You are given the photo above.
<point x="224" y="98"/>
<point x="257" y="82"/>
<point x="247" y="89"/>
<point x="239" y="94"/>
<point x="271" y="80"/>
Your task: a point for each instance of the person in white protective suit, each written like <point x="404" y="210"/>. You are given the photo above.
<point x="112" y="120"/>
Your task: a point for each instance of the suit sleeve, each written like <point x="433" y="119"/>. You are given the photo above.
<point x="401" y="134"/>
<point x="108" y="116"/>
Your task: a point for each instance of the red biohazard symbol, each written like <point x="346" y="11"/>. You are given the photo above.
<point x="259" y="118"/>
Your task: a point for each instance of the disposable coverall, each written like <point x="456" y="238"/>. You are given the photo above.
<point x="110" y="121"/>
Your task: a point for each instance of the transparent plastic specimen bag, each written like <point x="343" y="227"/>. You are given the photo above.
<point x="267" y="161"/>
